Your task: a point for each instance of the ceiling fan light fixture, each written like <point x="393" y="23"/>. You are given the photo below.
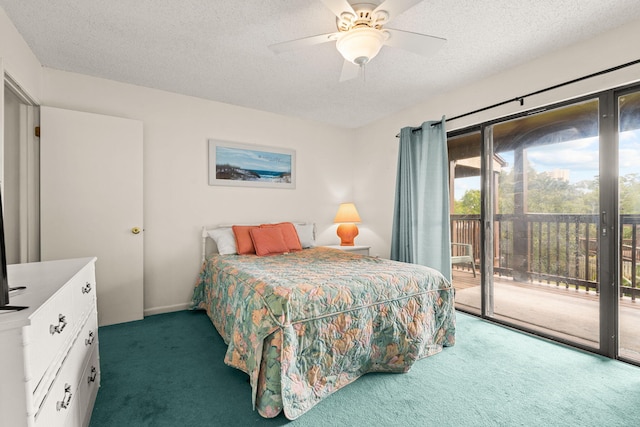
<point x="360" y="45"/>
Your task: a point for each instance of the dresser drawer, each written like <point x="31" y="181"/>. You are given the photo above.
<point x="88" y="388"/>
<point x="86" y="340"/>
<point x="89" y="334"/>
<point x="51" y="331"/>
<point x="76" y="384"/>
<point x="62" y="398"/>
<point x="83" y="291"/>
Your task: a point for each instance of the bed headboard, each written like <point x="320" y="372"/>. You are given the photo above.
<point x="204" y="244"/>
<point x="306" y="233"/>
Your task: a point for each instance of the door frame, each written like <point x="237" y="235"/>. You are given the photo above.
<point x="29" y="178"/>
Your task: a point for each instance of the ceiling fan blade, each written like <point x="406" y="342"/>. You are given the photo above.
<point x="350" y="71"/>
<point x="396" y="7"/>
<point x="303" y="42"/>
<point x="338" y="7"/>
<point x="421" y="44"/>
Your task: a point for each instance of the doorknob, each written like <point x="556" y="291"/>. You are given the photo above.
<point x="136" y="230"/>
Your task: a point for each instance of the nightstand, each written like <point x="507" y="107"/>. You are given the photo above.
<point x="360" y="250"/>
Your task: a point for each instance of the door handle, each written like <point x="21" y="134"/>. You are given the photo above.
<point x="136" y="230"/>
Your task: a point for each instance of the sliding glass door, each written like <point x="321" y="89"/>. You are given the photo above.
<point x="547" y="205"/>
<point x="546" y="215"/>
<point x="629" y="220"/>
<point x="465" y="166"/>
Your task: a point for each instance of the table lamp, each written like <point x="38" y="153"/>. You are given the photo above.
<point x="347" y="216"/>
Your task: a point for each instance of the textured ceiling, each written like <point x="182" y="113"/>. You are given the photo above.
<point x="218" y="49"/>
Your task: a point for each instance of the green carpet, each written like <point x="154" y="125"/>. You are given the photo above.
<point x="167" y="370"/>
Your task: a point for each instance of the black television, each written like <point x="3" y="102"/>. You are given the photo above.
<point x="4" y="279"/>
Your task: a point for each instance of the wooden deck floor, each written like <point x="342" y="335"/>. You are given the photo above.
<point x="567" y="313"/>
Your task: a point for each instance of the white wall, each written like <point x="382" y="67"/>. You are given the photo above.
<point x="19" y="61"/>
<point x="374" y="180"/>
<point x="177" y="198"/>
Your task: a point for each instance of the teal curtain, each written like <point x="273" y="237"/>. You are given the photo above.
<point x="421" y="214"/>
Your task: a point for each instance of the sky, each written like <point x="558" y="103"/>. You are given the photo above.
<point x="580" y="157"/>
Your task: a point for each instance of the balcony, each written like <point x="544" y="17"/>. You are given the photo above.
<point x="545" y="266"/>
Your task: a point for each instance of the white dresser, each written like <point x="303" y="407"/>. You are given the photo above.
<point x="49" y="360"/>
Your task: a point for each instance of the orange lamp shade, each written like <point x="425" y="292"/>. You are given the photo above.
<point x="347" y="216"/>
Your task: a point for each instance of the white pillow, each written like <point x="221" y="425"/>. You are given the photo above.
<point x="225" y="240"/>
<point x="306" y="234"/>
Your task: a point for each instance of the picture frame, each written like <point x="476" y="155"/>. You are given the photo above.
<point x="247" y="165"/>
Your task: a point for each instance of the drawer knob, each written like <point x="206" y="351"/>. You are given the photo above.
<point x="92" y="377"/>
<point x="66" y="399"/>
<point x="86" y="288"/>
<point x="89" y="341"/>
<point x="56" y="329"/>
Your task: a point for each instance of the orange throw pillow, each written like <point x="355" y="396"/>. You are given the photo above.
<point x="268" y="241"/>
<point x="244" y="244"/>
<point x="289" y="234"/>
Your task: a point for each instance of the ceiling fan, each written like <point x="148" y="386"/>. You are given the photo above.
<point x="361" y="34"/>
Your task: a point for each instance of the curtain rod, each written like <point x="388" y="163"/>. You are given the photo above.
<point x="521" y="98"/>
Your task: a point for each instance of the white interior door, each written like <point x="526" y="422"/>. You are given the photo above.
<point x="91" y="203"/>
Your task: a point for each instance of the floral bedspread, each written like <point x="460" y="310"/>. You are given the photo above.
<point x="305" y="324"/>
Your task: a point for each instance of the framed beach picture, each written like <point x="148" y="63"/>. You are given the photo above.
<point x="247" y="165"/>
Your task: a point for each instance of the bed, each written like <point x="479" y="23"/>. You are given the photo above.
<point x="305" y="323"/>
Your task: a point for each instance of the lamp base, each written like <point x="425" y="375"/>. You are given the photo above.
<point x="347" y="232"/>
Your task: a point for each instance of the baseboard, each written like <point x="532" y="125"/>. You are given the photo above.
<point x="166" y="309"/>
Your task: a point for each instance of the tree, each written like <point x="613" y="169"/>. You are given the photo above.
<point x="546" y="194"/>
<point x="629" y="194"/>
<point x="469" y="204"/>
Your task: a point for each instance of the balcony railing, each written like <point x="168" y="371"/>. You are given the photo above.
<point x="554" y="248"/>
